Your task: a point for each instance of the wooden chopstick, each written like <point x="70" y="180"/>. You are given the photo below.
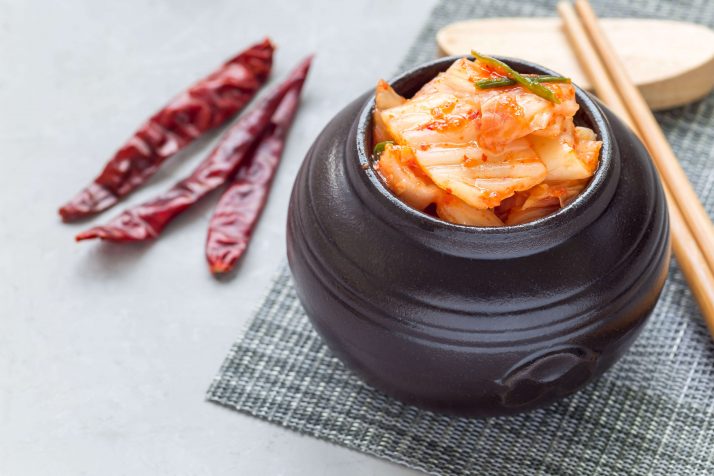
<point x="686" y="248"/>
<point x="671" y="171"/>
<point x="590" y="62"/>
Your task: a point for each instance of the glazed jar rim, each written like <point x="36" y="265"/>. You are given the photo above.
<point x="572" y="214"/>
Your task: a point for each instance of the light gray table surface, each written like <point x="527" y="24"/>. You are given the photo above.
<point x="106" y="351"/>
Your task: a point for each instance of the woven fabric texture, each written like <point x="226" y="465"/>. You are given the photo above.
<point x="651" y="414"/>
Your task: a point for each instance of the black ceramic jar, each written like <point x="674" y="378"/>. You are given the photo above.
<point x="471" y="320"/>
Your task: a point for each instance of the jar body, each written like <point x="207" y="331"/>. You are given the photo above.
<point x="475" y="322"/>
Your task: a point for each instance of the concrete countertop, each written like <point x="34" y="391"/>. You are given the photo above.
<point x="106" y="351"/>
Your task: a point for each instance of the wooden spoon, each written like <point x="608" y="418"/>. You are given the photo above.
<point x="671" y="62"/>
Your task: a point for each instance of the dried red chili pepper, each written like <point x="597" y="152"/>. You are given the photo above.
<point x="205" y="105"/>
<point x="146" y="221"/>
<point x="241" y="204"/>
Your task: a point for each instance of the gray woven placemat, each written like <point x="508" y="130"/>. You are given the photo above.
<point x="652" y="414"/>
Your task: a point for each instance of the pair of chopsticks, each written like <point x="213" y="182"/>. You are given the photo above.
<point x="692" y="233"/>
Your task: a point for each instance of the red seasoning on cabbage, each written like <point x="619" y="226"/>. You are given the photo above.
<point x="483" y="145"/>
